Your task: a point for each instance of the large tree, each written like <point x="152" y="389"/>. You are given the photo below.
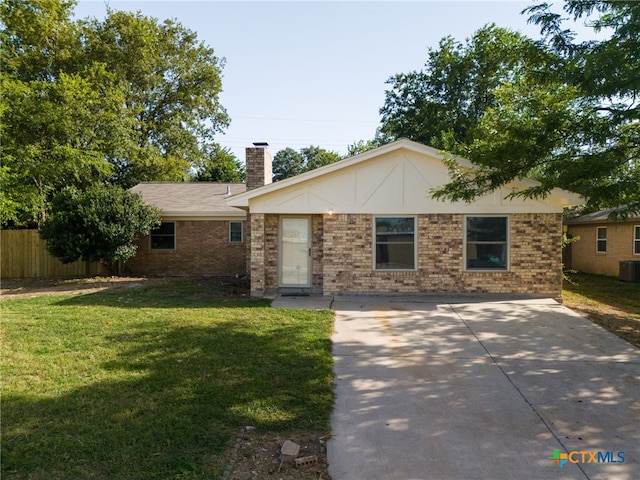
<point x="120" y="100"/>
<point x="569" y="118"/>
<point x="441" y="104"/>
<point x="288" y="163"/>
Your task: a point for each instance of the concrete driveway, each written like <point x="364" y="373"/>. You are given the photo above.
<point x="434" y="389"/>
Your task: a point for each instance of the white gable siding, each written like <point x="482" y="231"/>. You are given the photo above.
<point x="397" y="182"/>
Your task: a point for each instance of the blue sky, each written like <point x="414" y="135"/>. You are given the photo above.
<point x="302" y="73"/>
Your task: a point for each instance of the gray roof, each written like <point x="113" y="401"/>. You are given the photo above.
<point x="601" y="216"/>
<point x="191" y="199"/>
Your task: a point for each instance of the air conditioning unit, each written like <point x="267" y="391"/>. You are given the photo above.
<point x="630" y="270"/>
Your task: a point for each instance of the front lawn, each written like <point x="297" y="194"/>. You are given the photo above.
<point x="153" y="381"/>
<point x="607" y="301"/>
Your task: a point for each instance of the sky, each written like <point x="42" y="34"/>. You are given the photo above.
<point x="303" y="73"/>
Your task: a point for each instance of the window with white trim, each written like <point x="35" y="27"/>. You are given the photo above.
<point x="163" y="237"/>
<point x="636" y="240"/>
<point x="235" y="232"/>
<point x="601" y="239"/>
<point x="486" y="243"/>
<point x="395" y="243"/>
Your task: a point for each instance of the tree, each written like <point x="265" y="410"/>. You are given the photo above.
<point x="99" y="224"/>
<point x="288" y="163"/>
<point x="362" y="146"/>
<point x="441" y="105"/>
<point x="220" y="165"/>
<point x="172" y="84"/>
<point x="563" y="113"/>
<point x="122" y="100"/>
<point x="577" y="129"/>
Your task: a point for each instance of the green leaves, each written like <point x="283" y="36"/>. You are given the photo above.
<point x="441" y="105"/>
<point x="99" y="224"/>
<point x="120" y="100"/>
<point x="288" y="163"/>
<point x="220" y="165"/>
<point x="564" y="113"/>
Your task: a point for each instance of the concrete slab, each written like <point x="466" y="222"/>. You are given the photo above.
<point x="439" y="390"/>
<point x="306" y="302"/>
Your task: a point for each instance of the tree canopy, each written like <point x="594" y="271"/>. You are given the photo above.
<point x="441" y="104"/>
<point x="220" y="165"/>
<point x="288" y="163"/>
<point x="120" y="100"/>
<point x="562" y="112"/>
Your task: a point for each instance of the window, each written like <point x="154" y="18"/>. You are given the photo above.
<point x="163" y="237"/>
<point x="601" y="239"/>
<point x="395" y="243"/>
<point x="235" y="232"/>
<point x="486" y="243"/>
<point x="636" y="240"/>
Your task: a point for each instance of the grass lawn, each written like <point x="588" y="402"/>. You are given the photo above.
<point x="153" y="381"/>
<point x="607" y="301"/>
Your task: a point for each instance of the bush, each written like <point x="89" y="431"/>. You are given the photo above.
<point x="99" y="224"/>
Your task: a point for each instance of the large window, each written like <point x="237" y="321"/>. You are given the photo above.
<point x="601" y="239"/>
<point x="636" y="240"/>
<point x="486" y="243"/>
<point x="395" y="243"/>
<point x="235" y="232"/>
<point x="163" y="237"/>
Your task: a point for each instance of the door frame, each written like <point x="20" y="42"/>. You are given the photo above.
<point x="309" y="254"/>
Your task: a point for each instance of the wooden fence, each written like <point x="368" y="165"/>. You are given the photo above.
<point x="23" y="254"/>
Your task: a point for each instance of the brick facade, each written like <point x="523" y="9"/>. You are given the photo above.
<point x="202" y="249"/>
<point x="584" y="257"/>
<point x="343" y="257"/>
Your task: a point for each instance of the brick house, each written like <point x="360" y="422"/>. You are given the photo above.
<point x="200" y="234"/>
<point x="368" y="224"/>
<point x="603" y="242"/>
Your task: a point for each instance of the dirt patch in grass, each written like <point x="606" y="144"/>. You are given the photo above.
<point x="257" y="455"/>
<point x="201" y="286"/>
<point x="33" y="287"/>
<point x="606" y="301"/>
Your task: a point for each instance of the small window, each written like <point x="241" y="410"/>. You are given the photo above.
<point x="163" y="237"/>
<point x="636" y="240"/>
<point x="395" y="243"/>
<point x="235" y="232"/>
<point x="601" y="240"/>
<point x="486" y="243"/>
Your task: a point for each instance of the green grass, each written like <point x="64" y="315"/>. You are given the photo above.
<point x="606" y="301"/>
<point x="153" y="382"/>
<point x="604" y="291"/>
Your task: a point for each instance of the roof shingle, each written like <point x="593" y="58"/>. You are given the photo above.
<point x="191" y="198"/>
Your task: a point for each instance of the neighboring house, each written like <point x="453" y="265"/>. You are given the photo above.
<point x="603" y="242"/>
<point x="199" y="235"/>
<point x="368" y="224"/>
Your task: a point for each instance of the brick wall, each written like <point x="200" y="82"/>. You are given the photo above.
<point x="535" y="258"/>
<point x="584" y="257"/>
<point x="317" y="252"/>
<point x="259" y="169"/>
<point x="264" y="253"/>
<point x="202" y="248"/>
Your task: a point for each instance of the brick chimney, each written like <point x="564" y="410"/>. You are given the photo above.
<point x="259" y="168"/>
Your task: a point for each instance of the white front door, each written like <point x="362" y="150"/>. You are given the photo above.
<point x="295" y="252"/>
